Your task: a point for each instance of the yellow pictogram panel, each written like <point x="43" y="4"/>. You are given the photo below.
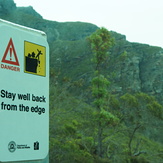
<point x="34" y="59"/>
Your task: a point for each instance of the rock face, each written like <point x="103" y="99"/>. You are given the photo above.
<point x="29" y="11"/>
<point x="7" y="6"/>
<point x="136" y="67"/>
<point x="152" y="75"/>
<point x="140" y="70"/>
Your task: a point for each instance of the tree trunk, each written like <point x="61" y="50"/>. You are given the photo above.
<point x="99" y="145"/>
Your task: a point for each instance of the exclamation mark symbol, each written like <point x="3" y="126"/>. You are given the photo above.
<point x="10" y="53"/>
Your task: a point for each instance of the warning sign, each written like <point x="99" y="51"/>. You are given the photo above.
<point x="10" y="55"/>
<point x="34" y="59"/>
<point x="24" y="94"/>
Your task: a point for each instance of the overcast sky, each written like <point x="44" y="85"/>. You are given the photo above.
<point x="140" y="20"/>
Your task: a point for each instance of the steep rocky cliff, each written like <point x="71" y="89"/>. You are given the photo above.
<point x="140" y="69"/>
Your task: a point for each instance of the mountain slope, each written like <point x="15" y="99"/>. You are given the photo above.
<point x="131" y="68"/>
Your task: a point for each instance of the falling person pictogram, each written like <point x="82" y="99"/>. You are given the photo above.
<point x="33" y="61"/>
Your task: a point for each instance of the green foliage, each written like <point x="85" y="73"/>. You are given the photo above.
<point x="70" y="151"/>
<point x="99" y="87"/>
<point x="100" y="41"/>
<point x="108" y="118"/>
<point x="130" y="123"/>
<point x="129" y="100"/>
<point x="100" y="80"/>
<point x="156" y="109"/>
<point x="139" y="112"/>
<point x="75" y="122"/>
<point x="124" y="120"/>
<point x="123" y="56"/>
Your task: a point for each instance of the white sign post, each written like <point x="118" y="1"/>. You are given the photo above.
<point x="24" y="93"/>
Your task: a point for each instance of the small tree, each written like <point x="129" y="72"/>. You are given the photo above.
<point x="140" y="111"/>
<point x="101" y="41"/>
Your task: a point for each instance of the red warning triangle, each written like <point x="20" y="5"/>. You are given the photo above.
<point x="11" y="55"/>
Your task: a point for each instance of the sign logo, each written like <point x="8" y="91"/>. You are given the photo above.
<point x="34" y="59"/>
<point x="12" y="146"/>
<point x="10" y="55"/>
<point x="36" y="145"/>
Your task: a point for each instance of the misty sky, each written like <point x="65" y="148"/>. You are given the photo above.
<point x="140" y="20"/>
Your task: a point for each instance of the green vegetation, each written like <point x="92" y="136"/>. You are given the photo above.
<point x="105" y="99"/>
<point x="106" y="127"/>
<point x="100" y="41"/>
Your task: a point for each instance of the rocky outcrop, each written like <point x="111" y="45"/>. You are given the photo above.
<point x="152" y="75"/>
<point x="7" y="6"/>
<point x="27" y="16"/>
<point x="29" y="11"/>
<point x="140" y="69"/>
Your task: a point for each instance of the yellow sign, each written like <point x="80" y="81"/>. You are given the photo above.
<point x="34" y="59"/>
